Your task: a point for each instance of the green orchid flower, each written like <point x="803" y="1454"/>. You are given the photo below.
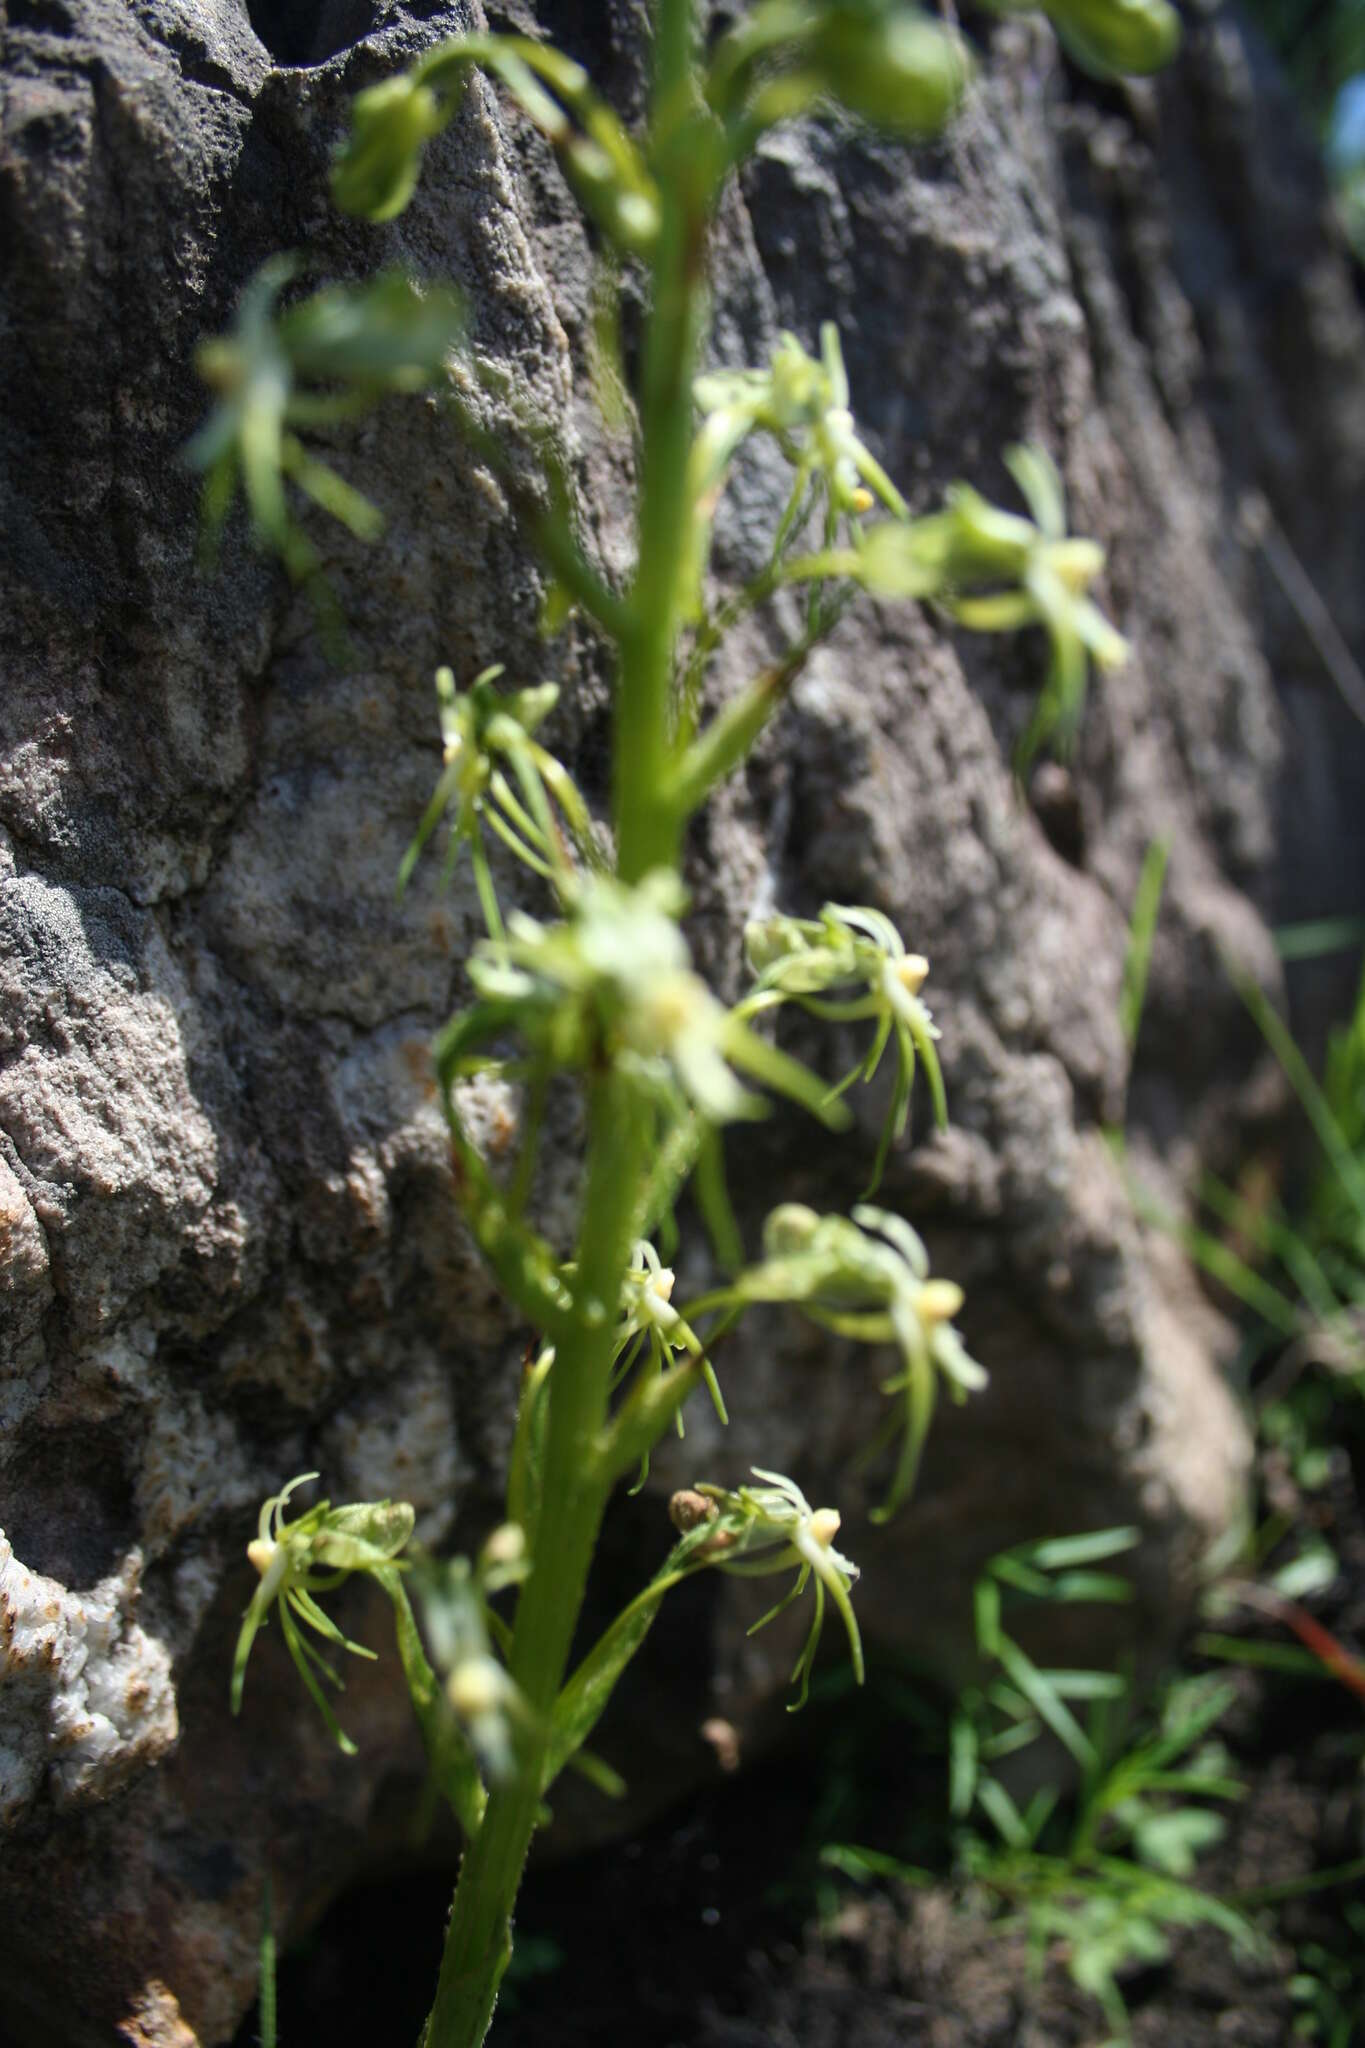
<point x="847" y="965"/>
<point x="484" y="734"/>
<point x="1052" y="572"/>
<point x="321" y="361"/>
<point x="803" y="401"/>
<point x="461" y="1629"/>
<point x="995" y="572"/>
<point x="612" y="983"/>
<point x="758" y="1530"/>
<point x="866" y="1278"/>
<point x="297" y="1561"/>
<point x="652" y="1330"/>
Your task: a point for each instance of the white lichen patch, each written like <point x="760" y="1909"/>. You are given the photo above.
<point x="85" y="1693"/>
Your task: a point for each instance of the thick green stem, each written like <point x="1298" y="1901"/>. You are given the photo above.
<point x="575" y="1491"/>
<point x="648" y="824"/>
<point x="576" y="1477"/>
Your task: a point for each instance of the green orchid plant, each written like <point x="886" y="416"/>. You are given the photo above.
<point x="590" y="986"/>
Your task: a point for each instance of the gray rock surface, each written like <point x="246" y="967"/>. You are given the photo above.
<point x="227" y="1236"/>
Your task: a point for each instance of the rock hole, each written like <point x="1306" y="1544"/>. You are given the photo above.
<point x="299" y="33"/>
<point x="70" y="1516"/>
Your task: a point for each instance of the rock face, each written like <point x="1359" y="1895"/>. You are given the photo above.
<point x="228" y="1245"/>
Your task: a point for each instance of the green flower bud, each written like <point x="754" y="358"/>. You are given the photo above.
<point x="789" y="1228"/>
<point x="1117" y="36"/>
<point x="376" y="169"/>
<point x="897" y="70"/>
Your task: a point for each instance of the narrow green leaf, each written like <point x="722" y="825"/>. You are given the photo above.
<point x="1059" y="1553"/>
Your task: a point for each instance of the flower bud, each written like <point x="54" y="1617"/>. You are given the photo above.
<point x="789" y="1228"/>
<point x="899" y="71"/>
<point x="477" y="1686"/>
<point x="766" y="940"/>
<point x="723" y="1737"/>
<point x="506" y="1545"/>
<point x="687" y="1510"/>
<point x="376" y="169"/>
<point x="1117" y="36"/>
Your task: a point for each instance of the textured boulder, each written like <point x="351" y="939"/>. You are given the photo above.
<point x="228" y="1245"/>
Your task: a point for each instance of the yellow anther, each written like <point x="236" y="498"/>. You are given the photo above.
<point x="912" y="972"/>
<point x="938" y="1301"/>
<point x="262" y="1553"/>
<point x="824" y="1526"/>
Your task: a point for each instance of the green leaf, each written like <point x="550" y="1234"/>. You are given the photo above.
<point x="1060" y="1553"/>
<point x="449" y="1754"/>
<point x="1044" y="1698"/>
<point x="996" y="1803"/>
<point x="986" y="1607"/>
<point x="1174" y="1841"/>
<point x="862" y="1864"/>
<point x="963" y="1751"/>
<point x="584" y="1697"/>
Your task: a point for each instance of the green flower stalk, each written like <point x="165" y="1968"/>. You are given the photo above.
<point x="599" y="994"/>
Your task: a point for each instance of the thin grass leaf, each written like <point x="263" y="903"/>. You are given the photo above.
<point x="269" y="2036"/>
<point x="863" y="1864"/>
<point x="1060" y="1553"/>
<point x="963" y="1764"/>
<point x="1045" y="1700"/>
<point x="996" y="1803"/>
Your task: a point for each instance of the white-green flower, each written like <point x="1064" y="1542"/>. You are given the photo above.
<point x="298" y="1560"/>
<point x="612" y="983"/>
<point x="652" y="1329"/>
<point x="486" y="735"/>
<point x="803" y="401"/>
<point x="277" y="374"/>
<point x="867" y="1278"/>
<point x="995" y="572"/>
<point x="772" y="1527"/>
<point x="846" y="966"/>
